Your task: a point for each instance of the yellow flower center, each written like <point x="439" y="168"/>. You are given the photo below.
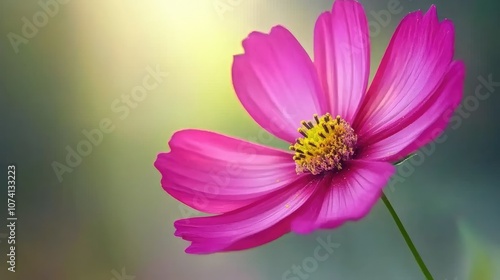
<point x="325" y="145"/>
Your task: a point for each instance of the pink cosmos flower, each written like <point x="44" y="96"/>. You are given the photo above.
<point x="350" y="134"/>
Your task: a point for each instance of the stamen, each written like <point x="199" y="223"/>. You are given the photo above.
<point x="326" y="127"/>
<point x="304" y="123"/>
<point x="316" y="118"/>
<point x="303" y="133"/>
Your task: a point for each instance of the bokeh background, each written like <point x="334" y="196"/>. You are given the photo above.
<point x="109" y="219"/>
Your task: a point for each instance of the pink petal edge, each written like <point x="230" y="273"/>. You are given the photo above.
<point x="346" y="196"/>
<point x="276" y="82"/>
<point x="214" y="173"/>
<point x="250" y="226"/>
<point x="342" y="56"/>
<point x="412" y="68"/>
<point x="431" y="123"/>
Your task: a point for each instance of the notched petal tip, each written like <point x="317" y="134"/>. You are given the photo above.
<point x="277" y="28"/>
<point x="447" y="22"/>
<point x="179" y="134"/>
<point x="256" y="35"/>
<point x="177" y="224"/>
<point x="156" y="163"/>
<point x="239" y="63"/>
<point x="346" y="1"/>
<point x="432" y="10"/>
<point x="177" y="233"/>
<point x="410" y="18"/>
<point x="431" y="15"/>
<point x="348" y="4"/>
<point x="237" y="57"/>
<point x="434" y="16"/>
<point x="190" y="250"/>
<point x="182" y="228"/>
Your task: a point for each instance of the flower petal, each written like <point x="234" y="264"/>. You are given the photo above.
<point x="250" y="226"/>
<point x="345" y="196"/>
<point x="431" y="122"/>
<point x="413" y="66"/>
<point x="342" y="56"/>
<point x="277" y="83"/>
<point x="214" y="173"/>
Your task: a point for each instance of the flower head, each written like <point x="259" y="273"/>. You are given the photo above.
<point x="348" y="134"/>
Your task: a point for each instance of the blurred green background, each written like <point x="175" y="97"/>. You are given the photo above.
<point x="107" y="218"/>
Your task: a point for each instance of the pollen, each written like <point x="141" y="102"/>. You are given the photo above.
<point x="325" y="145"/>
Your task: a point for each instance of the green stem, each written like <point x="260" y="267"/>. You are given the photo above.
<point x="407" y="238"/>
